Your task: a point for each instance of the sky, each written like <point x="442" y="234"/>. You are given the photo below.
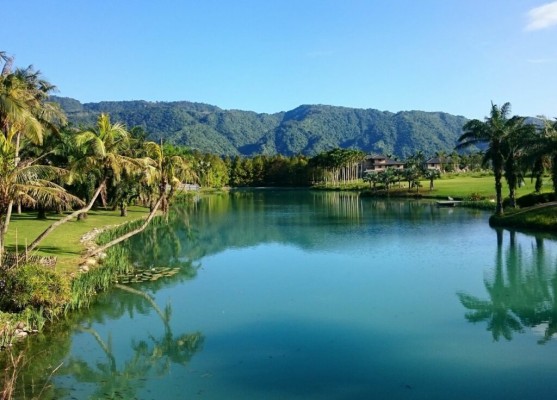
<point x="455" y="56"/>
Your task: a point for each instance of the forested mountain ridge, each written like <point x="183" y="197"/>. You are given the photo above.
<point x="307" y="129"/>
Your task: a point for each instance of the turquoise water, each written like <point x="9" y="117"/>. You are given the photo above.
<point x="303" y="295"/>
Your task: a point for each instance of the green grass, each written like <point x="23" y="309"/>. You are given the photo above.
<point x="64" y="242"/>
<point x="464" y="186"/>
<point x="458" y="186"/>
<point x="543" y="217"/>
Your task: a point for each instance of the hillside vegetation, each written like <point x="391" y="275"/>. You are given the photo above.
<point x="308" y="129"/>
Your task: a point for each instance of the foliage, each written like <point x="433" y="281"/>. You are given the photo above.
<point x="36" y="287"/>
<point x="308" y="129"/>
<point x="533" y="199"/>
<point x="503" y="137"/>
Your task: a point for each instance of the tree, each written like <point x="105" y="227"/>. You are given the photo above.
<point x="28" y="183"/>
<point x="100" y="151"/>
<point x="495" y="131"/>
<point x="515" y="151"/>
<point x="169" y="171"/>
<point x="25" y="112"/>
<point x="387" y="177"/>
<point x="372" y="177"/>
<point x="431" y="175"/>
<point x="543" y="152"/>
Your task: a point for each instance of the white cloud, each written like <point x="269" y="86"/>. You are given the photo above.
<point x="542" y="17"/>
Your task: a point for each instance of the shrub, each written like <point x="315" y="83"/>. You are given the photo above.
<point x="532" y="199"/>
<point x="36" y="287"/>
<point x="476" y="197"/>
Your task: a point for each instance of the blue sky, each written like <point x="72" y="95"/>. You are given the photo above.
<point x="268" y="56"/>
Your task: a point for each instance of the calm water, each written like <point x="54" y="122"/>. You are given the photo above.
<point x="302" y="295"/>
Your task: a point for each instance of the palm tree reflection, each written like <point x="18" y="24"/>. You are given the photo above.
<point x="522" y="292"/>
<point x="152" y="355"/>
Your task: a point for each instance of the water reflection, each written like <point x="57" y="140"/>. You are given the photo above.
<point x="522" y="291"/>
<point x="152" y="355"/>
<point x="110" y="372"/>
<point x="315" y="295"/>
<point x="306" y="219"/>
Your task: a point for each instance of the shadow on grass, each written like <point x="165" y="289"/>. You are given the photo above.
<point x="45" y="250"/>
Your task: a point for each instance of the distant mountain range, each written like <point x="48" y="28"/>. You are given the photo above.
<point x="307" y="129"/>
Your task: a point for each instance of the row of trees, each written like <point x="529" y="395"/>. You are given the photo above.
<point x="45" y="164"/>
<point x="514" y="148"/>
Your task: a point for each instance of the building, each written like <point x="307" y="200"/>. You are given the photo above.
<point x="379" y="163"/>
<point x="440" y="163"/>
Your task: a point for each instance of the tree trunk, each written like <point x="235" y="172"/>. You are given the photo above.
<point x="129" y="234"/>
<point x="123" y="210"/>
<point x="498" y="194"/>
<point x="61" y="221"/>
<point x="8" y="217"/>
<point x="2" y="234"/>
<point x="41" y="213"/>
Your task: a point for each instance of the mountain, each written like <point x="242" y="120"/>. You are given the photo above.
<point x="307" y="129"/>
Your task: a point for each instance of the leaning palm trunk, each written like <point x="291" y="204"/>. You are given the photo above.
<point x="498" y="193"/>
<point x="554" y="173"/>
<point x="56" y="224"/>
<point x="129" y="234"/>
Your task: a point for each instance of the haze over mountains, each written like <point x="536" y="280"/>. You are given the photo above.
<point x="307" y="129"/>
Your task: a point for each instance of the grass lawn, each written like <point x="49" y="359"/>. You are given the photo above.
<point x="464" y="186"/>
<point x="543" y="217"/>
<point x="63" y="242"/>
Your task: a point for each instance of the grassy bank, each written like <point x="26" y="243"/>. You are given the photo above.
<point x="459" y="186"/>
<point x="64" y="242"/>
<point x="41" y="294"/>
<point x="541" y="217"/>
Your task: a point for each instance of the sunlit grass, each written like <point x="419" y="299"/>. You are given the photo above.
<point x="533" y="218"/>
<point x="64" y="242"/>
<point x="458" y="186"/>
<point x="468" y="186"/>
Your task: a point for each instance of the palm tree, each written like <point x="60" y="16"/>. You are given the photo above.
<point x="169" y="171"/>
<point x="543" y="151"/>
<point x="25" y="113"/>
<point x="28" y="183"/>
<point x="372" y="177"/>
<point x="515" y="150"/>
<point x="431" y="175"/>
<point x="495" y="131"/>
<point x="101" y="152"/>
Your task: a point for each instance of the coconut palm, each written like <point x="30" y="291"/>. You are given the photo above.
<point x="495" y="131"/>
<point x="25" y="113"/>
<point x="28" y="183"/>
<point x="372" y="177"/>
<point x="431" y="175"/>
<point x="543" y="152"/>
<point x="515" y="149"/>
<point x="169" y="171"/>
<point x="100" y="152"/>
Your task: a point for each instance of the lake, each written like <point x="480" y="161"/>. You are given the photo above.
<point x="294" y="294"/>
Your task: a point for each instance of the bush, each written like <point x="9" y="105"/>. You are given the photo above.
<point x="532" y="199"/>
<point x="36" y="287"/>
<point x="476" y="197"/>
